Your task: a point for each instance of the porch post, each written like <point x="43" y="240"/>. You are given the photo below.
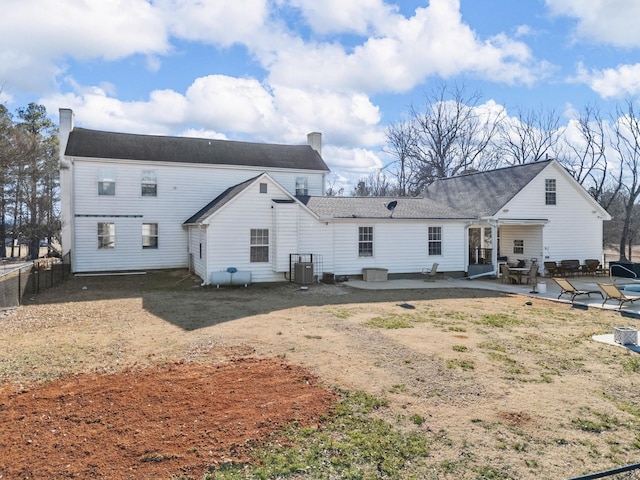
<point x="494" y="247"/>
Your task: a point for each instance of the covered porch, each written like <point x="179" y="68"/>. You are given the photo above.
<point x="492" y="243"/>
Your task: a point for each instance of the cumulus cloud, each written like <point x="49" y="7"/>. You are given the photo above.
<point x="612" y="22"/>
<point x="611" y="82"/>
<point x="434" y="41"/>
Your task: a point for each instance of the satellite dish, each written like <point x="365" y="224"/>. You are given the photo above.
<point x="391" y="206"/>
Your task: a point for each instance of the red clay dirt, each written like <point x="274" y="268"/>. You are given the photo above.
<point x="153" y="423"/>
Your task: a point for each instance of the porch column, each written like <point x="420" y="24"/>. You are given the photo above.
<point x="494" y="247"/>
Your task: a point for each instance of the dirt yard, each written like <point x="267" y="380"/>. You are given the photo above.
<point x="152" y="376"/>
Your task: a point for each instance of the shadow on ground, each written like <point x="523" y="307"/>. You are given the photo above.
<point x="177" y="297"/>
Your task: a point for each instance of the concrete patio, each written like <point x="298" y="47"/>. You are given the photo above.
<point x="552" y="289"/>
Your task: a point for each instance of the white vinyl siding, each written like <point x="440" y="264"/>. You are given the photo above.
<point x="285" y="233"/>
<point x="400" y="247"/>
<point x="573" y="228"/>
<point x="183" y="189"/>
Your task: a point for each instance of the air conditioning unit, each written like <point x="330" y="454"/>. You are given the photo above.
<point x="303" y="272"/>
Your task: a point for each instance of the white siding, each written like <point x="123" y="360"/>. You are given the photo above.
<point x="399" y="246"/>
<point x="182" y="191"/>
<point x="530" y="235"/>
<point x="229" y="232"/>
<point x="574" y="228"/>
<point x="284" y="237"/>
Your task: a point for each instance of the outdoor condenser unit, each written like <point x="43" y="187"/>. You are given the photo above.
<point x="303" y="272"/>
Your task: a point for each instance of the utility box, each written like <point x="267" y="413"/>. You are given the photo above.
<point x="303" y="273"/>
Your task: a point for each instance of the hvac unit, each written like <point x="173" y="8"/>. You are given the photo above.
<point x="303" y="272"/>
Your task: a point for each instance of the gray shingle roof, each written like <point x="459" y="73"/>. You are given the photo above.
<point x="219" y="201"/>
<point x="99" y="144"/>
<point x="484" y="193"/>
<point x="376" y="207"/>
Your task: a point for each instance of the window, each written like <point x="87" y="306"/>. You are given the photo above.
<point x="149" y="235"/>
<point x="106" y="181"/>
<point x="302" y="187"/>
<point x="259" y="245"/>
<point x="550" y="191"/>
<point x="518" y="246"/>
<point x="263" y="188"/>
<point x="434" y="240"/>
<point x="149" y="183"/>
<point x="106" y="235"/>
<point x="365" y="241"/>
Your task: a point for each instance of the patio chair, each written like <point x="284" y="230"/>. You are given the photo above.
<point x="430" y="273"/>
<point x="570" y="267"/>
<point x="567" y="287"/>
<point x="614" y="293"/>
<point x="552" y="269"/>
<point x="506" y="276"/>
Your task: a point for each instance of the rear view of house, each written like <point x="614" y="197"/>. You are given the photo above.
<point x="138" y="202"/>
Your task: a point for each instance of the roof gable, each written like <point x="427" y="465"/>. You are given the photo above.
<point x="125" y="146"/>
<point x="484" y="193"/>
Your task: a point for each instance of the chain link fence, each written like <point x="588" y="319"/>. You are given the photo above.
<point x="19" y="280"/>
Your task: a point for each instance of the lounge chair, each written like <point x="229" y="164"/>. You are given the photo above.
<point x="614" y="293"/>
<point x="568" y="288"/>
<point x="430" y="273"/>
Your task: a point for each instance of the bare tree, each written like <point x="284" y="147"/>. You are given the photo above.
<point x="401" y="139"/>
<point x="626" y="143"/>
<point x="374" y="185"/>
<point x="451" y="135"/>
<point x="587" y="161"/>
<point x="530" y="136"/>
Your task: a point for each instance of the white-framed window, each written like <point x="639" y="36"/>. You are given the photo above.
<point x="149" y="183"/>
<point x="149" y="235"/>
<point x="518" y="246"/>
<point x="263" y="188"/>
<point x="365" y="241"/>
<point x="259" y="245"/>
<point x="434" y="240"/>
<point x="302" y="186"/>
<point x="106" y="235"/>
<point x="107" y="181"/>
<point x="550" y="191"/>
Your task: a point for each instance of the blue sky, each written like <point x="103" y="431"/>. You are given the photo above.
<point x="275" y="70"/>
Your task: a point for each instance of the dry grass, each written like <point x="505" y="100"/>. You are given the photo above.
<point x="500" y="389"/>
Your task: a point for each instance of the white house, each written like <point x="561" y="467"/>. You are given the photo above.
<point x="132" y="202"/>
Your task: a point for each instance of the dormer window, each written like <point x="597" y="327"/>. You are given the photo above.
<point x="550" y="191"/>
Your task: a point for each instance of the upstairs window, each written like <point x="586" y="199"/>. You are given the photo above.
<point x="434" y="240"/>
<point x="106" y="235"/>
<point x="550" y="191"/>
<point x="149" y="235"/>
<point x="149" y="183"/>
<point x="365" y="241"/>
<point x="106" y="181"/>
<point x="302" y="186"/>
<point x="259" y="245"/>
<point x="263" y="188"/>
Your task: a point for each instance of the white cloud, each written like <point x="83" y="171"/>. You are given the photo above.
<point x="222" y="22"/>
<point x="39" y="35"/>
<point x="354" y="16"/>
<point x="434" y="41"/>
<point x="611" y="82"/>
<point x="613" y="22"/>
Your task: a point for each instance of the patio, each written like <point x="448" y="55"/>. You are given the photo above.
<point x="552" y="289"/>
